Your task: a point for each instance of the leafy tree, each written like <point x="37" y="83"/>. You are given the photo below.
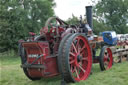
<point x="18" y="17"/>
<point x="114" y="14"/>
<point x="99" y="27"/>
<point x="73" y="20"/>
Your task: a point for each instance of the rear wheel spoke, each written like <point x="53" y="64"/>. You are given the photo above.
<point x="77" y="73"/>
<point x="72" y="61"/>
<point x="85" y="59"/>
<point x="70" y="58"/>
<point x="71" y="53"/>
<point x="82" y="48"/>
<point x="82" y="68"/>
<point x="74" y="47"/>
<point x="77" y="45"/>
<point x="71" y="67"/>
<point x="77" y="42"/>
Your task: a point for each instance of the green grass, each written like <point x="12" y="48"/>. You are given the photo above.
<point x="12" y="74"/>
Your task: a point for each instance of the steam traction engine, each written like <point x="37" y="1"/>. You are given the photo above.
<point x="63" y="49"/>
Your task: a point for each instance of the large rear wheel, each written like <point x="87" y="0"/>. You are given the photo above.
<point x="59" y="58"/>
<point x="76" y="58"/>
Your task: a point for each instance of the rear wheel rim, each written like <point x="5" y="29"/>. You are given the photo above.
<point x="80" y="58"/>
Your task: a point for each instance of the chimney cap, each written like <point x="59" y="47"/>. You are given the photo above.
<point x="88" y="6"/>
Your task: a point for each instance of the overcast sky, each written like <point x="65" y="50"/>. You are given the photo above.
<point x="65" y="8"/>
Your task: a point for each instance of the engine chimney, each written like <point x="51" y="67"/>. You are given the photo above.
<point x="89" y="16"/>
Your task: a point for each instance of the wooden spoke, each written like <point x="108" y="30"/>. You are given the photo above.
<point x="82" y="48"/>
<point x="85" y="59"/>
<point x="77" y="73"/>
<point x="71" y="53"/>
<point x="74" y="47"/>
<point x="72" y="61"/>
<point x="81" y="68"/>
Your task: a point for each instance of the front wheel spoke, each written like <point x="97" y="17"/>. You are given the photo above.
<point x="105" y="59"/>
<point x="106" y="68"/>
<point x="77" y="73"/>
<point x="106" y="55"/>
<point x="106" y="63"/>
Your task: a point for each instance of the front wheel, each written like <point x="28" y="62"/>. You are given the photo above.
<point x="76" y="58"/>
<point x="105" y="58"/>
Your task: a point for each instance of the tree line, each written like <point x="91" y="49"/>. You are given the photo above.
<point x="18" y="17"/>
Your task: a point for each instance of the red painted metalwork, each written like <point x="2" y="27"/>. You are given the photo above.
<point x="35" y="49"/>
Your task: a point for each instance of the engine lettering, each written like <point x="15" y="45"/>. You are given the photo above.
<point x="33" y="55"/>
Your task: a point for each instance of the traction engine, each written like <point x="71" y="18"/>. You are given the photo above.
<point x="63" y="49"/>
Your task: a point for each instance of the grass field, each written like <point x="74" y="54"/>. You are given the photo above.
<point x="12" y="74"/>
